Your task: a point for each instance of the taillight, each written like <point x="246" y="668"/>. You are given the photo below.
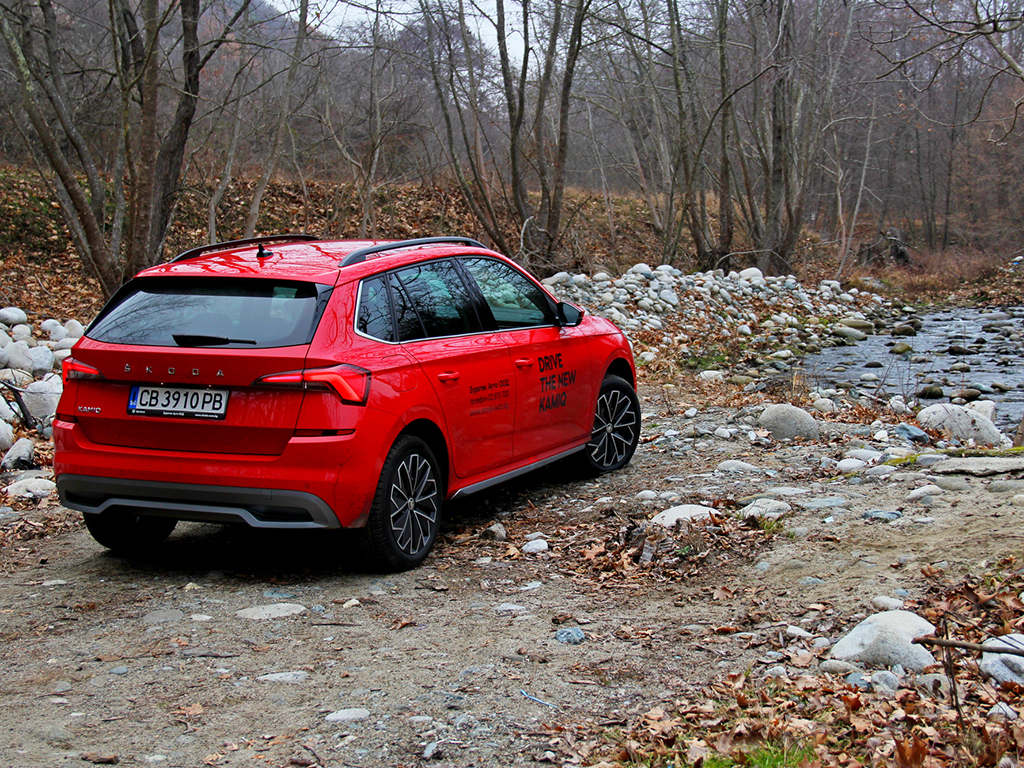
<point x="349" y="382"/>
<point x="75" y="369"/>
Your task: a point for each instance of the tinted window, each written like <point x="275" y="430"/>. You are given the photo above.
<point x="430" y="301"/>
<point x="374" y="310"/>
<point x="514" y="300"/>
<point x="211" y="312"/>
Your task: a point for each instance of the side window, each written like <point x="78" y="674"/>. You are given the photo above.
<point x="374" y="317"/>
<point x="432" y="301"/>
<point x="514" y="300"/>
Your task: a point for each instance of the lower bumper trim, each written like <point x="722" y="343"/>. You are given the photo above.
<point x="256" y="507"/>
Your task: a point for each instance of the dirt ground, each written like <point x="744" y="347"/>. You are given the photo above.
<point x="148" y="662"/>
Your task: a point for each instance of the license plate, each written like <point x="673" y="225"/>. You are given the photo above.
<point x="182" y="402"/>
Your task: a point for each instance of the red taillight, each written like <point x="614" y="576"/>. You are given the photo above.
<point x="349" y="382"/>
<point x="75" y="369"/>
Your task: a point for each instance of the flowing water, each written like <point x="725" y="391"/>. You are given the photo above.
<point x="989" y="344"/>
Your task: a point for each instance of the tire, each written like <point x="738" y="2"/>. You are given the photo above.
<point x="128" y="533"/>
<point x="616" y="430"/>
<point x="406" y="512"/>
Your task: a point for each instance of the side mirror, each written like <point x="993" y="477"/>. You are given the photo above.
<point x="569" y="315"/>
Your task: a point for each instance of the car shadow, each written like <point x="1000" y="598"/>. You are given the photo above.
<point x="195" y="550"/>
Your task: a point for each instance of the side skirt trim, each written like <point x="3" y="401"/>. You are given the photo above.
<point x="484" y="484"/>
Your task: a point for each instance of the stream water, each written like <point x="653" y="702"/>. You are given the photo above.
<point x="988" y="344"/>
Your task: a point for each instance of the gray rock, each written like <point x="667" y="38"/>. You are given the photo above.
<point x="535" y="547"/>
<point x="1003" y="667"/>
<point x="509" y="608"/>
<point x="1002" y="711"/>
<point x="885" y="515"/>
<point x="19" y="356"/>
<point x="961" y="423"/>
<point x="884" y="603"/>
<point x="272" y="611"/>
<point x="934" y="685"/>
<point x="733" y="465"/>
<point x="296" y="676"/>
<point x="786" y="422"/>
<point x="1005" y="486"/>
<point x="495" y="532"/>
<point x="837" y="667"/>
<point x="912" y="434"/>
<point x="978" y="467"/>
<point x="849" y="333"/>
<point x="570" y="635"/>
<point x="884" y="640"/>
<point x="31" y="488"/>
<point x="6" y="436"/>
<point x="683" y="512"/>
<point x="10" y="316"/>
<point x="884" y="681"/>
<point x="924" y="490"/>
<point x="21" y="455"/>
<point x="859" y="680"/>
<point x="765" y="508"/>
<point x="850" y="465"/>
<point x="42" y="361"/>
<point x="41" y="397"/>
<point x="351" y="715"/>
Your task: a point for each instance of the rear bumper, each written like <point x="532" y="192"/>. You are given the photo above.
<point x="256" y="507"/>
<point x="322" y="482"/>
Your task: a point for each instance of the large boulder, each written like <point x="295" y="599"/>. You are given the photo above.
<point x="41" y="397"/>
<point x="786" y="422"/>
<point x="884" y="640"/>
<point x="961" y="423"/>
<point x="12" y="316"/>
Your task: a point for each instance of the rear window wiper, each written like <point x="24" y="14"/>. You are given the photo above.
<point x="197" y="340"/>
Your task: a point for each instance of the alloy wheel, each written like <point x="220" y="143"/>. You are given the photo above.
<point x="414" y="504"/>
<point x="615" y="425"/>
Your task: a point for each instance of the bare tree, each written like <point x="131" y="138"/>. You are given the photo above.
<point x="144" y="177"/>
<point x="524" y="178"/>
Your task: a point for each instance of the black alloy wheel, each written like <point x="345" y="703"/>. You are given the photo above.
<point x="616" y="431"/>
<point x="406" y="511"/>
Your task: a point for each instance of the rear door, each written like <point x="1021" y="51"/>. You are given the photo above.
<point x="437" y="322"/>
<point x="554" y="373"/>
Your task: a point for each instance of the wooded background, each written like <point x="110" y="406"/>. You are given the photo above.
<point x="736" y="126"/>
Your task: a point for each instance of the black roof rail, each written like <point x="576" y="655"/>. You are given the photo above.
<point x="359" y="256"/>
<point x="287" y="237"/>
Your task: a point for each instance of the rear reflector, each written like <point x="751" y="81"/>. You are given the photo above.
<point x="349" y="382"/>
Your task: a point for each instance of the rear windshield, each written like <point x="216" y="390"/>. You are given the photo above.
<point x="212" y="312"/>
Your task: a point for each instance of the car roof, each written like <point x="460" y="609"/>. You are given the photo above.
<point x="300" y="258"/>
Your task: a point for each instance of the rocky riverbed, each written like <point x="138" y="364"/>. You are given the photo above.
<point x="745" y="535"/>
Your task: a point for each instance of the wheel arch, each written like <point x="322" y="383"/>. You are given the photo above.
<point x="620" y="367"/>
<point x="430" y="433"/>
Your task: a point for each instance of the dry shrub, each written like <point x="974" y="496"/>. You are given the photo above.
<point x="934" y="273"/>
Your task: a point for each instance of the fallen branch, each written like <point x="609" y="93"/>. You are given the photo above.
<point x="968" y="646"/>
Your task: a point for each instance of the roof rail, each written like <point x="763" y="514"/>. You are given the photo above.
<point x="359" y="256"/>
<point x="287" y="237"/>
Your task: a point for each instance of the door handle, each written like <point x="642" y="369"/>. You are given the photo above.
<point x="448" y="376"/>
<point x="524" y="362"/>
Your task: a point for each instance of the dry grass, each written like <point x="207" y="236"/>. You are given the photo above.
<point x="943" y="273"/>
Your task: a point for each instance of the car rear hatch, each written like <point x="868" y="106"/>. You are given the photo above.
<point x="175" y="363"/>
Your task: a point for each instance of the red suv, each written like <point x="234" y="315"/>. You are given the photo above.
<point x="290" y="382"/>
